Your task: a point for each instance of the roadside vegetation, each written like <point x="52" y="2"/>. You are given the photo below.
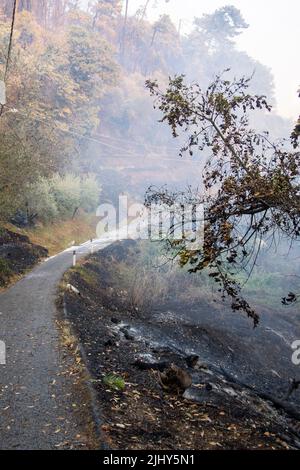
<point x="150" y="278"/>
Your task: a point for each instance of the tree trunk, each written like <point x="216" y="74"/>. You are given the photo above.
<point x="124" y="32"/>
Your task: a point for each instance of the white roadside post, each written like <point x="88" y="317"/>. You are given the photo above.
<point x="92" y="246"/>
<point x="74" y="258"/>
<point x="2" y="353"/>
<point x="2" y="93"/>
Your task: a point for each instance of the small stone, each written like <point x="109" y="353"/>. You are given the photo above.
<point x="192" y="360"/>
<point x="128" y="336"/>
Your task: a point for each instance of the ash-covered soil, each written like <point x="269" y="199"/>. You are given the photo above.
<point x="240" y="376"/>
<point x="17" y="255"/>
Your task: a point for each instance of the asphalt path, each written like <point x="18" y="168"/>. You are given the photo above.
<point x="38" y="404"/>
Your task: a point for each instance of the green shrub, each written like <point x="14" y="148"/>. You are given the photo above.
<point x="67" y="193"/>
<point x="89" y="193"/>
<point x="114" y="382"/>
<point x="60" y="197"/>
<point x="40" y="201"/>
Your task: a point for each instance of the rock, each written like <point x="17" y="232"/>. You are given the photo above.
<point x="175" y="379"/>
<point x="73" y="289"/>
<point x="145" y="364"/>
<point x="230" y="391"/>
<point x="128" y="336"/>
<point x="192" y="361"/>
<point x="196" y="396"/>
<point x="127" y="333"/>
<point x="115" y="320"/>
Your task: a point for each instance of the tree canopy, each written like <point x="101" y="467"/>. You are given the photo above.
<point x="251" y="183"/>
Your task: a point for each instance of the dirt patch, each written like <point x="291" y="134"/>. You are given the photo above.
<point x="124" y="351"/>
<point x="17" y="255"/>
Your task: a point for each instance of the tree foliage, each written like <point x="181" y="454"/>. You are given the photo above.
<point x="220" y="27"/>
<point x="60" y="197"/>
<point x="54" y="90"/>
<point x="251" y="183"/>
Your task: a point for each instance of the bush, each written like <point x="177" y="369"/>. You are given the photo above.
<point x="59" y="197"/>
<point x="149" y="278"/>
<point x="67" y="194"/>
<point x="72" y="192"/>
<point x="40" y="201"/>
<point x="89" y="193"/>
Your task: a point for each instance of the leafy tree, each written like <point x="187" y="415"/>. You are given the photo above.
<point x="29" y="147"/>
<point x="163" y="25"/>
<point x="55" y="85"/>
<point x="106" y="16"/>
<point x="251" y="183"/>
<point x="59" y="197"/>
<point x="48" y="12"/>
<point x="89" y="193"/>
<point x="67" y="194"/>
<point x="211" y="47"/>
<point x="151" y="48"/>
<point x="92" y="69"/>
<point x="219" y="28"/>
<point x="39" y="202"/>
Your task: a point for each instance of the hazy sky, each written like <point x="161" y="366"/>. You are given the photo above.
<point x="273" y="37"/>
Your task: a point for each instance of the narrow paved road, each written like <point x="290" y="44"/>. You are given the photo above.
<point x="38" y="406"/>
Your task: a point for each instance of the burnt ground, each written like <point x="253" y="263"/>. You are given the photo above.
<point x="224" y="409"/>
<point x="17" y="255"/>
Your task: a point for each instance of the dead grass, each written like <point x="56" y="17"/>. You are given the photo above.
<point x="57" y="236"/>
<point x="14" y="278"/>
<point x="149" y="279"/>
<point x="68" y="340"/>
<point x="144" y="287"/>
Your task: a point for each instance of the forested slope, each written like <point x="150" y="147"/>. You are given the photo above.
<point x="76" y="101"/>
